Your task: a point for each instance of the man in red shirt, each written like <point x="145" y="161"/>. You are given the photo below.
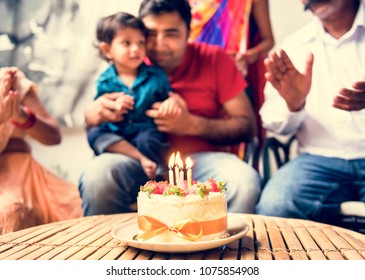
<point x="216" y="112"/>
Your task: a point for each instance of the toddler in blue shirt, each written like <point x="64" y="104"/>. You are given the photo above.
<point x="121" y="41"/>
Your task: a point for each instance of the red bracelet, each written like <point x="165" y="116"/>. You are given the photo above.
<point x="30" y="122"/>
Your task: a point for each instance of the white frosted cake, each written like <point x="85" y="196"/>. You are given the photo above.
<point x="169" y="213"/>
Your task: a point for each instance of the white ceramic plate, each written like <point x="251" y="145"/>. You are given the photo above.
<point x="127" y="231"/>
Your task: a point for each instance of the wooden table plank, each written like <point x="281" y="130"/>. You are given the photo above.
<point x="114" y="253"/>
<point x="262" y="240"/>
<point x="11" y="254"/>
<point x="343" y="247"/>
<point x="129" y="254"/>
<point x="29" y="241"/>
<point x="25" y="234"/>
<point x="247" y="249"/>
<point x="296" y="250"/>
<point x="358" y="244"/>
<point x="30" y="237"/>
<point x="328" y="249"/>
<point x="101" y="252"/>
<point x="65" y="243"/>
<point x="276" y="239"/>
<point x="73" y="240"/>
<point x="95" y="241"/>
<point x="309" y="245"/>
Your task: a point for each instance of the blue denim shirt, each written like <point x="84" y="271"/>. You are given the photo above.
<point x="150" y="86"/>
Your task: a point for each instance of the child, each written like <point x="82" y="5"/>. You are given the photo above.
<point x="122" y="39"/>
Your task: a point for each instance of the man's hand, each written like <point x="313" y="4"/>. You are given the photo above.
<point x="105" y="109"/>
<point x="351" y="99"/>
<point x="292" y="85"/>
<point x="177" y="124"/>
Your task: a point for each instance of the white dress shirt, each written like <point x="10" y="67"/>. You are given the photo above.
<point x="322" y="129"/>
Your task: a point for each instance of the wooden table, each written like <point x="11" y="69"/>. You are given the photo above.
<point x="269" y="238"/>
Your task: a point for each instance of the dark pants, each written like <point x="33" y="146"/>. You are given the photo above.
<point x="149" y="141"/>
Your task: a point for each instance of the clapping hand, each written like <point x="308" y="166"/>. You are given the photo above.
<point x="351" y="99"/>
<point x="292" y="85"/>
<point x="10" y="107"/>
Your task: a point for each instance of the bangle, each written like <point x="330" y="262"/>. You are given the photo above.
<point x="29" y="123"/>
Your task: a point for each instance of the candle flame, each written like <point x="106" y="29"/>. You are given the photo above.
<point x="179" y="163"/>
<point x="172" y="161"/>
<point x="189" y="162"/>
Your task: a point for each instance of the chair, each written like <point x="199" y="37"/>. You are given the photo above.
<point x="276" y="152"/>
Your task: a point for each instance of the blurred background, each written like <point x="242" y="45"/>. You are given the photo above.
<point x="52" y="41"/>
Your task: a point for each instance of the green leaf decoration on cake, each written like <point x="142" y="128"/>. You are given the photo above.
<point x="148" y="188"/>
<point x="222" y="186"/>
<point x="202" y="190"/>
<point x="174" y="190"/>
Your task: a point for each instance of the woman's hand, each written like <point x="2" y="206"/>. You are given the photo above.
<point x="10" y="107"/>
<point x="243" y="60"/>
<point x="13" y="105"/>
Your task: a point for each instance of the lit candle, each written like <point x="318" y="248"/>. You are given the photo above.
<point x="189" y="174"/>
<point x="181" y="177"/>
<point x="177" y="158"/>
<point x="171" y="172"/>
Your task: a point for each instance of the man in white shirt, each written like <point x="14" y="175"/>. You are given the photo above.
<point x="316" y="90"/>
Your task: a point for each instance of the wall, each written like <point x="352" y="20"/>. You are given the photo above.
<point x="71" y="157"/>
<point x="286" y="17"/>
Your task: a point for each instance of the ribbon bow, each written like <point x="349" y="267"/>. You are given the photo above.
<point x="187" y="229"/>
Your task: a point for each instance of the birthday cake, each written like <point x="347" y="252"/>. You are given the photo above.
<point x="171" y="213"/>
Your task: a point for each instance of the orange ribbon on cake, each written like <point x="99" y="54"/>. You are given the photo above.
<point x="187" y="229"/>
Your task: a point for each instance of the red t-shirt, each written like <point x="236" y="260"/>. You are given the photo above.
<point x="206" y="79"/>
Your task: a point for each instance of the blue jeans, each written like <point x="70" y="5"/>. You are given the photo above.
<point x="313" y="187"/>
<point x="112" y="181"/>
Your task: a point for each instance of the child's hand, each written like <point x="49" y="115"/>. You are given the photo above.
<point x="149" y="167"/>
<point x="126" y="102"/>
<point x="171" y="107"/>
